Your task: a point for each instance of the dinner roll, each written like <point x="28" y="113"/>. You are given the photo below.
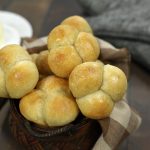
<point x="51" y="103"/>
<point x="96" y="87"/>
<point x="41" y="61"/>
<point x="78" y="22"/>
<point x="71" y="44"/>
<point x="19" y="74"/>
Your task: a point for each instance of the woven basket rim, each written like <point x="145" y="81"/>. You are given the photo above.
<point x="44" y="132"/>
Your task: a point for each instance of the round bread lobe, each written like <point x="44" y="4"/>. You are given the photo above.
<point x="53" y="84"/>
<point x="11" y="54"/>
<point x="31" y="107"/>
<point x="60" y="110"/>
<point x="114" y="82"/>
<point x="62" y="60"/>
<point x="78" y="22"/>
<point x="21" y="79"/>
<point x="97" y="105"/>
<point x="87" y="46"/>
<point x="86" y="78"/>
<point x="61" y="35"/>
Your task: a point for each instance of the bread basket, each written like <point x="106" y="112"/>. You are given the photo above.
<point x="78" y="135"/>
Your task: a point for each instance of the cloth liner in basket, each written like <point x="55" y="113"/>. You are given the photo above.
<point x="86" y="134"/>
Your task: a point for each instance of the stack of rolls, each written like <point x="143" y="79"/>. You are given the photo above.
<point x="97" y="87"/>
<point x="80" y="82"/>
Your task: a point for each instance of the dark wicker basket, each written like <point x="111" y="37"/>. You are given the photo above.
<point x="79" y="135"/>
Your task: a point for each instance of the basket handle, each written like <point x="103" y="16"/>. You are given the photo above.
<point x="49" y="134"/>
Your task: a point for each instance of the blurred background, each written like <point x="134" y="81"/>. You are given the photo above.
<point x="43" y="15"/>
<point x="35" y="18"/>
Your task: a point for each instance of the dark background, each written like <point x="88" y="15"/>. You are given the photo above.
<point x="44" y="15"/>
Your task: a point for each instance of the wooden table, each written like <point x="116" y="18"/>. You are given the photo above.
<point x="44" y="15"/>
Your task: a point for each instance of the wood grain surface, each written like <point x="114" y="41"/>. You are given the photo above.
<point x="44" y="15"/>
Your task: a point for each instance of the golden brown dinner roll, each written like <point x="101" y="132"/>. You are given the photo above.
<point x="20" y="74"/>
<point x="70" y="44"/>
<point x="51" y="103"/>
<point x="96" y="88"/>
<point x="78" y="22"/>
<point x="41" y="61"/>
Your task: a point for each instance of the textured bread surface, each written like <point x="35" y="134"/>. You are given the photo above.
<point x="78" y="22"/>
<point x="114" y="82"/>
<point x="97" y="87"/>
<point x="63" y="59"/>
<point x="72" y="41"/>
<point x="31" y="107"/>
<point x="86" y="78"/>
<point x="87" y="46"/>
<point x="51" y="104"/>
<point x="62" y="35"/>
<point x="41" y="61"/>
<point x="97" y="105"/>
<point x="19" y="75"/>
